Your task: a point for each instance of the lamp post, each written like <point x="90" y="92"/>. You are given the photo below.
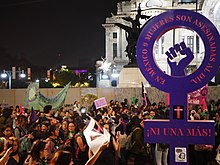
<point x="9" y="75"/>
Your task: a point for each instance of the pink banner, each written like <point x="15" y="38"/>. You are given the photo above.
<point x="167" y="99"/>
<point x="99" y="103"/>
<point x="199" y="96"/>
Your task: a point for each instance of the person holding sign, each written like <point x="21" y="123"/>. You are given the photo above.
<point x="109" y="154"/>
<point x="94" y="157"/>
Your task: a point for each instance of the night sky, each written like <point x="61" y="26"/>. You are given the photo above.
<point x="47" y="32"/>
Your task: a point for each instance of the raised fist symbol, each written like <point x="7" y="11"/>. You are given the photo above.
<point x="178" y="58"/>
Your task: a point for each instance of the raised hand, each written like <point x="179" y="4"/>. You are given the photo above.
<point x="178" y="58"/>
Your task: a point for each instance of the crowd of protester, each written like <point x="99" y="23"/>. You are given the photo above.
<point x="56" y="136"/>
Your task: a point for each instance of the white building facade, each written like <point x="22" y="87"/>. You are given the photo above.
<point x="115" y="43"/>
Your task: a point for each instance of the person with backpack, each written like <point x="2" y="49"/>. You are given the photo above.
<point x="52" y="143"/>
<point x="82" y="148"/>
<point x="21" y="132"/>
<point x="139" y="150"/>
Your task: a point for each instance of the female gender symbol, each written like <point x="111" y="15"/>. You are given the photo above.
<point x="178" y="84"/>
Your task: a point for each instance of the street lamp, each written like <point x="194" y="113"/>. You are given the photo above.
<point x="8" y="74"/>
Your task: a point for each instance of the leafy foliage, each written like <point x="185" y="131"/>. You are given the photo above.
<point x="88" y="100"/>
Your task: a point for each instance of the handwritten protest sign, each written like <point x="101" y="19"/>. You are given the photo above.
<point x="95" y="135"/>
<point x="101" y="102"/>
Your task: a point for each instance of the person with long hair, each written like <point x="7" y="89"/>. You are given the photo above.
<point x="82" y="147"/>
<point x="4" y="153"/>
<point x="7" y="131"/>
<point x="70" y="137"/>
<point x="36" y="154"/>
<point x="21" y="131"/>
<point x="14" y="158"/>
<point x="52" y="143"/>
<point x="63" y="129"/>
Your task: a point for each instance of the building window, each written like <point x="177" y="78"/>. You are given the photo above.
<point x="162" y="49"/>
<point x="114" y="35"/>
<point x="135" y="5"/>
<point x="197" y="44"/>
<point x="162" y="40"/>
<point x="156" y="47"/>
<point x="162" y="44"/>
<point x="190" y="42"/>
<point x="183" y="38"/>
<point x="114" y="50"/>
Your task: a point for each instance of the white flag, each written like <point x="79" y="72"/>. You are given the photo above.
<point x="95" y="135"/>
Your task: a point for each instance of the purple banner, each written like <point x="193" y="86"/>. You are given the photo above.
<point x="194" y="132"/>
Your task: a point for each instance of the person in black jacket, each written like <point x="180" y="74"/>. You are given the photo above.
<point x="140" y="149"/>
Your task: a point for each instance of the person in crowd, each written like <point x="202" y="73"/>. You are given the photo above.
<point x="152" y="114"/>
<point x="211" y="108"/>
<point x="139" y="150"/>
<point x="44" y="129"/>
<point x="21" y="131"/>
<point x="134" y="122"/>
<point x="48" y="112"/>
<point x="41" y="117"/>
<point x="53" y="121"/>
<point x="62" y="157"/>
<point x="7" y="131"/>
<point x="72" y="130"/>
<point x="110" y="154"/>
<point x="163" y="111"/>
<point x="161" y="153"/>
<point x="70" y="137"/>
<point x="125" y="103"/>
<point x="111" y="103"/>
<point x="98" y="118"/>
<point x="120" y="130"/>
<point x="4" y="159"/>
<point x="4" y="152"/>
<point x="67" y="115"/>
<point x="36" y="131"/>
<point x="202" y="152"/>
<point x="17" y="109"/>
<point x="36" y="156"/>
<point x="94" y="157"/>
<point x="216" y="147"/>
<point x="76" y="107"/>
<point x="52" y="143"/>
<point x="82" y="147"/>
<point x="14" y="157"/>
<point x="11" y="119"/>
<point x="161" y="150"/>
<point x="63" y="129"/>
<point x="5" y="115"/>
<point x="61" y="112"/>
